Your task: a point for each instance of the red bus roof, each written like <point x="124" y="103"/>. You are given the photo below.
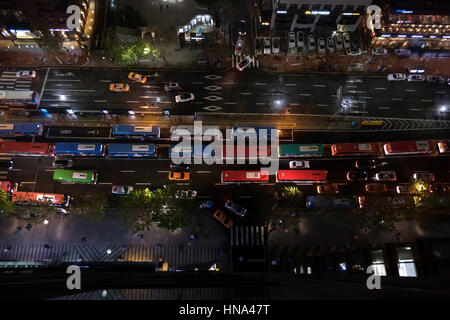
<point x="368" y="148"/>
<point x="245" y="176"/>
<point x="405" y="146"/>
<point x="50" y="198"/>
<point x="26" y="147"/>
<point x="302" y="175"/>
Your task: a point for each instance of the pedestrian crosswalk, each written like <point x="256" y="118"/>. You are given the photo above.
<point x="235" y="60"/>
<point x="248" y="236"/>
<point x="9" y="81"/>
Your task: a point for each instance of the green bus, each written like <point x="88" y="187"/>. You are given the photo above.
<point x="300" y="150"/>
<point x="76" y="176"/>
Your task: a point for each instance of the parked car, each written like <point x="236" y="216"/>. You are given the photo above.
<point x="275" y="45"/>
<point x="354" y="52"/>
<point x="416" y="69"/>
<point x="238" y="48"/>
<point x="179" y="176"/>
<point x="396" y="77"/>
<point x="347" y="42"/>
<point x="375" y="188"/>
<point x="403" y="189"/>
<point x="220" y="216"/>
<point x="366" y="164"/>
<point x="137" y="77"/>
<point x="423" y="175"/>
<point x="339" y="41"/>
<point x="311" y="43"/>
<point x="62" y="163"/>
<point x="184" y="97"/>
<point x="440" y="188"/>
<point x="321" y="45"/>
<point x="356" y="176"/>
<point x="298" y="164"/>
<point x="6" y="165"/>
<point x="185" y="194"/>
<point x="172" y="86"/>
<point x="379" y="51"/>
<point x="403" y="52"/>
<point x="121" y="189"/>
<point x="300" y="39"/>
<point x="436" y="79"/>
<point x="26" y="74"/>
<point x="330" y="44"/>
<point x="291" y="40"/>
<point x="181" y="166"/>
<point x="119" y="87"/>
<point x="386" y="176"/>
<point x="235" y="208"/>
<point x="416" y="78"/>
<point x="244" y="63"/>
<point x="267" y="48"/>
<point x="327" y="188"/>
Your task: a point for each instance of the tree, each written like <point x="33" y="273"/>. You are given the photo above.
<point x="6" y="206"/>
<point x="50" y="42"/>
<point x="93" y="208"/>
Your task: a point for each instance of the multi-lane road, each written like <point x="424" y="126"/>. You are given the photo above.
<point x="250" y="91"/>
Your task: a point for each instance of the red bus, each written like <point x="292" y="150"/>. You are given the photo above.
<point x="354" y="149"/>
<point x="242" y="176"/>
<point x="35" y="149"/>
<point x="8" y="187"/>
<point x="302" y="176"/>
<point x="408" y="147"/>
<point x="233" y="152"/>
<point x="35" y="198"/>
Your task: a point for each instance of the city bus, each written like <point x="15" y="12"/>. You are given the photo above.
<point x="130" y="131"/>
<point x="131" y="150"/>
<point x="190" y="151"/>
<point x="247" y="152"/>
<point x="18" y="129"/>
<point x="377" y="201"/>
<point x="408" y="147"/>
<point x="354" y="149"/>
<point x="328" y="202"/>
<point x="302" y="176"/>
<point x="20" y="98"/>
<point x="37" y="198"/>
<point x="248" y="131"/>
<point x="27" y="149"/>
<point x="300" y="150"/>
<point x="244" y="176"/>
<point x="76" y="176"/>
<point x="79" y="149"/>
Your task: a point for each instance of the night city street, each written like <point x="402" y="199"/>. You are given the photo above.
<point x="225" y="150"/>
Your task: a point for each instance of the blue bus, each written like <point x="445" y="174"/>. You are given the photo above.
<point x="129" y="131"/>
<point x="190" y="151"/>
<point x="131" y="150"/>
<point x="79" y="149"/>
<point x="260" y="131"/>
<point x="21" y="129"/>
<point x="328" y="202"/>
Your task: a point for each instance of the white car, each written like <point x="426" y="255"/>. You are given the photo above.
<point x="184" y="97"/>
<point x="300" y="39"/>
<point x="186" y="194"/>
<point x="321" y="45"/>
<point x="311" y="43"/>
<point x="338" y="41"/>
<point x="379" y="51"/>
<point x="172" y="86"/>
<point x="298" y="164"/>
<point x="291" y="39"/>
<point x="423" y="175"/>
<point x="276" y="45"/>
<point x="403" y="52"/>
<point x="386" y="176"/>
<point x="26" y="74"/>
<point x="244" y="63"/>
<point x="267" y="46"/>
<point x="330" y="44"/>
<point x="347" y="42"/>
<point x="416" y="77"/>
<point x="396" y="77"/>
<point x="122" y="189"/>
<point x="354" y="52"/>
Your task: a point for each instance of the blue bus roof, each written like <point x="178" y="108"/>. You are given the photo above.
<point x="139" y="130"/>
<point x="78" y="147"/>
<point x="131" y="147"/>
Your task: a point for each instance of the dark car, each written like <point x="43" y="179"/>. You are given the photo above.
<point x="181" y="166"/>
<point x="357" y="176"/>
<point x="440" y="188"/>
<point x="366" y="164"/>
<point x="242" y="27"/>
<point x="6" y="164"/>
<point x="235" y="208"/>
<point x="63" y="163"/>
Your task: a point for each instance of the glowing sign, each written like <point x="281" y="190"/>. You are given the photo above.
<point x="351" y="14"/>
<point x="22" y="34"/>
<point x="317" y="12"/>
<point x="282" y="11"/>
<point x="404" y="11"/>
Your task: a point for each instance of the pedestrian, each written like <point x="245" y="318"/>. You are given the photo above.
<point x="83" y="238"/>
<point x="167" y="7"/>
<point x="28" y="227"/>
<point x="46" y="246"/>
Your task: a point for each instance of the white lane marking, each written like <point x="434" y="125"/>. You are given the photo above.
<point x="246" y="93"/>
<point x="321" y="105"/>
<point x="384" y="108"/>
<point x="380" y="88"/>
<point x="166" y="102"/>
<point x="260" y="103"/>
<point x="440" y="92"/>
<point x="366" y="97"/>
<point x="426" y="100"/>
<point x="163" y="171"/>
<point x="49" y="100"/>
<point x="103" y="183"/>
<point x="142" y="183"/>
<point x="230" y="83"/>
<point x="14" y="169"/>
<point x="230" y="102"/>
<point x="49" y="170"/>
<point x="294" y="104"/>
<point x="260" y="83"/>
<point x="28" y="182"/>
<point x="127" y="171"/>
<point x="70" y="90"/>
<point x="410" y="90"/>
<point x="145" y="97"/>
<point x="350" y="86"/>
<point x="415" y="109"/>
<point x="66" y="80"/>
<point x="290" y="84"/>
<point x="100" y="101"/>
<point x="305" y="94"/>
<point x="267" y="184"/>
<point x="132" y="101"/>
<point x="105" y="80"/>
<point x="356" y="91"/>
<point x="203" y="171"/>
<point x="319" y="85"/>
<point x="397" y="99"/>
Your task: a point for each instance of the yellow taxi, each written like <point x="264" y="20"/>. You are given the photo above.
<point x="119" y="87"/>
<point x="137" y="77"/>
<point x="220" y="216"/>
<point x="179" y="176"/>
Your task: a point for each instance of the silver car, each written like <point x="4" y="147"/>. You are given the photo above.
<point x="311" y="43"/>
<point x="122" y="189"/>
<point x="339" y="42"/>
<point x="347" y="42"/>
<point x="291" y="39"/>
<point x="330" y="44"/>
<point x="321" y="45"/>
<point x="276" y="45"/>
<point x="267" y="49"/>
<point x="186" y="194"/>
<point x="300" y="39"/>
